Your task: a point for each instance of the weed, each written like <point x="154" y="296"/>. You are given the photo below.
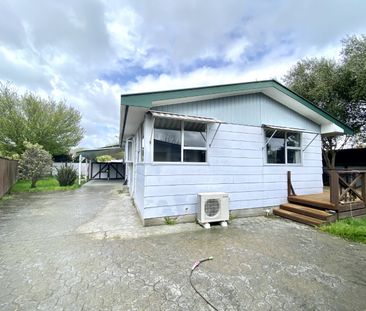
<point x="170" y="220"/>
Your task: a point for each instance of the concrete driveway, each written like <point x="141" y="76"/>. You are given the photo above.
<point x="73" y="251"/>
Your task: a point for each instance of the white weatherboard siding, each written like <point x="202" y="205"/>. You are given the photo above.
<point x="236" y="165"/>
<point x="140" y="187"/>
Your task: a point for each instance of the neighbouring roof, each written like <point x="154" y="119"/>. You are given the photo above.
<point x="142" y="102"/>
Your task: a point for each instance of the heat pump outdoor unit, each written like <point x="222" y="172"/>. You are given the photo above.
<point x="213" y="207"/>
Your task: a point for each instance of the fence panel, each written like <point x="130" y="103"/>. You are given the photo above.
<point x="84" y="167"/>
<point x="8" y="174"/>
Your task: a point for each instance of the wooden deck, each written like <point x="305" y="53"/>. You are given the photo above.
<point x="318" y="200"/>
<point x="319" y="208"/>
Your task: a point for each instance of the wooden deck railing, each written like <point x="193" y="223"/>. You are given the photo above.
<point x="347" y="187"/>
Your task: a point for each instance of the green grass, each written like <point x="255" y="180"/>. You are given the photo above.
<point x="353" y="229"/>
<point x="46" y="184"/>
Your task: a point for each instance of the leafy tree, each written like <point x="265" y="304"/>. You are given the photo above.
<point x="339" y="87"/>
<point x="35" y="163"/>
<point x="28" y="117"/>
<point x="104" y="158"/>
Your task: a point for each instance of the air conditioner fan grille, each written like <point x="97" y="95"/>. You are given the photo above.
<point x="212" y="207"/>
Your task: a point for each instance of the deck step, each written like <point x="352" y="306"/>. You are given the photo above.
<point x="298" y="217"/>
<point x="308" y="211"/>
<point x="311" y="202"/>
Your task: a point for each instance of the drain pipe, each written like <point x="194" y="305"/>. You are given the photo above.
<point x="124" y="124"/>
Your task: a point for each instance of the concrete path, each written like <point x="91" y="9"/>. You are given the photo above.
<point x="72" y="251"/>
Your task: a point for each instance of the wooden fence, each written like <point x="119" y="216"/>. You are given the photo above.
<point x="8" y="174"/>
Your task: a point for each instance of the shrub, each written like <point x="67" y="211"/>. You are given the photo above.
<point x="104" y="158"/>
<point x="34" y="163"/>
<point x="66" y="175"/>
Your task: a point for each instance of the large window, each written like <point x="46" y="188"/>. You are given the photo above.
<point x="178" y="141"/>
<point x="283" y="147"/>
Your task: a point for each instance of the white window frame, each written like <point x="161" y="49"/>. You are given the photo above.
<point x="129" y="146"/>
<point x="286" y="148"/>
<point x="182" y="147"/>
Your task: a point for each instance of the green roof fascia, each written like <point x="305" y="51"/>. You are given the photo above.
<point x="144" y="100"/>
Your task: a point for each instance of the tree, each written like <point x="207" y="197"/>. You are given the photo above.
<point x="339" y="87"/>
<point x="28" y="117"/>
<point x="34" y="163"/>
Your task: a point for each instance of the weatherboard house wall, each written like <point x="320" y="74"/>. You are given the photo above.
<point x="236" y="161"/>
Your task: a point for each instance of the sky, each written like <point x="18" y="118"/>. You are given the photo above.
<point x="89" y="52"/>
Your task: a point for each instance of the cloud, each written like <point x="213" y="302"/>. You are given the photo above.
<point x="90" y="51"/>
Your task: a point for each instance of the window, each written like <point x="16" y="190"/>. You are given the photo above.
<point x="283" y="147"/>
<point x="129" y="151"/>
<point x="141" y="144"/>
<point x="178" y="141"/>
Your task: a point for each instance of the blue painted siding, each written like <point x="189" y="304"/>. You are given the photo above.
<point x="236" y="165"/>
<point x="140" y="187"/>
<point x="253" y="109"/>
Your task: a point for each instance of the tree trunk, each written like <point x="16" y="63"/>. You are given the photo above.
<point x="34" y="181"/>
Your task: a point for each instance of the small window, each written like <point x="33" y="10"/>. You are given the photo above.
<point x="283" y="147"/>
<point x="142" y="143"/>
<point x="178" y="141"/>
<point x="167" y="140"/>
<point x="129" y="151"/>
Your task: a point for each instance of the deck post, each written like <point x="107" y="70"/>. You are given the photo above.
<point x="290" y="189"/>
<point x="363" y="187"/>
<point x="334" y="187"/>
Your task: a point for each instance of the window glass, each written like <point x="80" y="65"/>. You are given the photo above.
<point x="194" y="134"/>
<point x="129" y="150"/>
<point x="167" y="145"/>
<point x="293" y="156"/>
<point x="194" y="155"/>
<point x="168" y="137"/>
<point x="275" y="147"/>
<point x="293" y="139"/>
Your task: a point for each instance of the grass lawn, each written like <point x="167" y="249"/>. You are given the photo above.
<point x="353" y="229"/>
<point x="46" y="184"/>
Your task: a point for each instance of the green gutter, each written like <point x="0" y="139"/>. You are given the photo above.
<point x="145" y="100"/>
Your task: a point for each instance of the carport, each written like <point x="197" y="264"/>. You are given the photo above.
<point x="112" y="170"/>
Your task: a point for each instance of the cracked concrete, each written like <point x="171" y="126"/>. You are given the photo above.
<point x="86" y="250"/>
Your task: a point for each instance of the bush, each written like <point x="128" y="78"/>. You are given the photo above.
<point x="66" y="175"/>
<point x="34" y="163"/>
<point x="104" y="158"/>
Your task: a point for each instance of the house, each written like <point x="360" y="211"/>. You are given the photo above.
<point x="240" y="139"/>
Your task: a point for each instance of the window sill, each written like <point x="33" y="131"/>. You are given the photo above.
<point x="180" y="163"/>
<point x="280" y="164"/>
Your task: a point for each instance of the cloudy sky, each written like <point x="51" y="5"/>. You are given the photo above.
<point x="89" y="51"/>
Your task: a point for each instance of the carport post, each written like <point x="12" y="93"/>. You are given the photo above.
<point x="79" y="169"/>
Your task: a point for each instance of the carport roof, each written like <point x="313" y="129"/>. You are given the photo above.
<point x="91" y="154"/>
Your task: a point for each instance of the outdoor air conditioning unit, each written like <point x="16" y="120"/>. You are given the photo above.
<point x="213" y="207"/>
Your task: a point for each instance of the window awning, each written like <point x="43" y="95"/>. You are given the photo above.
<point x="282" y="128"/>
<point x="182" y="117"/>
<point x="288" y="129"/>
